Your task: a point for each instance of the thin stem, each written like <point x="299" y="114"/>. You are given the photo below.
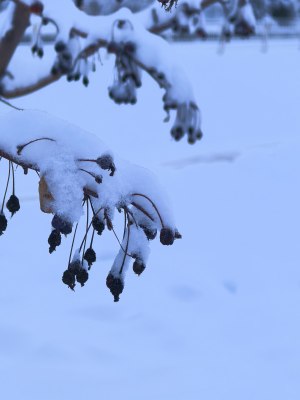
<point x="13" y="176"/>
<point x="97" y="178"/>
<point x="92" y="239"/>
<point x="8" y="178"/>
<point x="120" y="244"/>
<point x="86" y="228"/>
<point x="125" y="222"/>
<point x="153" y="204"/>
<point x="132" y="216"/>
<point x="140" y="208"/>
<point x="72" y="244"/>
<point x="90" y="224"/>
<point x="126" y="250"/>
<point x="22" y="146"/>
<point x="10" y="105"/>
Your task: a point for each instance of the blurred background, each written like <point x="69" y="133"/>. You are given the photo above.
<point x="217" y="315"/>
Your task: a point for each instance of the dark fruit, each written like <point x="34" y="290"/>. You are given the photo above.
<point x="90" y="256"/>
<point x="60" y="46"/>
<point x="98" y="224"/>
<point x="85" y="81"/>
<point x="167" y="236"/>
<point x="150" y="233"/>
<point x="63" y="226"/>
<point x="68" y="279"/>
<point x="75" y="266"/>
<point x="3" y="223"/>
<point x="106" y="162"/>
<point x="138" y="267"/>
<point x="82" y="276"/>
<point x="40" y="53"/>
<point x="13" y="204"/>
<point x="115" y="285"/>
<point x="36" y="8"/>
<point x="54" y="240"/>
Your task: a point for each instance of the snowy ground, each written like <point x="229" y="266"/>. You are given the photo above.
<point x="217" y="315"/>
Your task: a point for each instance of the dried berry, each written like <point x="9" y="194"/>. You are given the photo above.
<point x="150" y="233"/>
<point x="68" y="279"/>
<point x="54" y="240"/>
<point x="63" y="226"/>
<point x="40" y="53"/>
<point x="60" y="46"/>
<point x="98" y="224"/>
<point x="167" y="236"/>
<point x="138" y="267"/>
<point x="13" y="204"/>
<point x="115" y="285"/>
<point x="90" y="256"/>
<point x="85" y="81"/>
<point x="106" y="162"/>
<point x="3" y="223"/>
<point x="82" y="276"/>
<point x="75" y="266"/>
<point x="36" y="8"/>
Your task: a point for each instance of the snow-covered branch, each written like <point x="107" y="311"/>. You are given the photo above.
<point x="78" y="39"/>
<point x="78" y="172"/>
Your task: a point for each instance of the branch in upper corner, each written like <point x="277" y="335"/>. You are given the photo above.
<point x="12" y="38"/>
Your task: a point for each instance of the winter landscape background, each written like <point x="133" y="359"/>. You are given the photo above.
<point x="217" y="315"/>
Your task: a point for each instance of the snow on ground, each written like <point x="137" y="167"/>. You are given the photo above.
<point x="217" y="315"/>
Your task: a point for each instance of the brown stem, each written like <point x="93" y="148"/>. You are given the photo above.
<point x="13" y="36"/>
<point x="22" y="146"/>
<point x="142" y="210"/>
<point x="126" y="249"/>
<point x="153" y="204"/>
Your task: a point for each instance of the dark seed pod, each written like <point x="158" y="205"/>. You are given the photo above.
<point x="54" y="240"/>
<point x="54" y="70"/>
<point x="60" y="46"/>
<point x="106" y="162"/>
<point x="129" y="47"/>
<point x="82" y="276"/>
<point x="115" y="285"/>
<point x="63" y="226"/>
<point x="150" y="233"/>
<point x="34" y="49"/>
<point x="3" y="223"/>
<point x="40" y="53"/>
<point x="90" y="256"/>
<point x="75" y="266"/>
<point x="68" y="279"/>
<point x="167" y="236"/>
<point x="98" y="224"/>
<point x="85" y="81"/>
<point x="138" y="267"/>
<point x="13" y="204"/>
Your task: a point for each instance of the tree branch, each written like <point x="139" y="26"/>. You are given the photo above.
<point x="13" y="36"/>
<point x="26" y="166"/>
<point x="24" y="90"/>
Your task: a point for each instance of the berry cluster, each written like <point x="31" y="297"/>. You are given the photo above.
<point x="127" y="74"/>
<point x="142" y="221"/>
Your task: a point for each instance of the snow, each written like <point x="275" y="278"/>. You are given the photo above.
<point x="216" y="315"/>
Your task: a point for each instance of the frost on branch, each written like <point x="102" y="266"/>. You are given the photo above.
<point x="79" y="175"/>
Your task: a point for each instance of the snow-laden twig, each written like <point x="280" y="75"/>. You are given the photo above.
<point x="57" y="150"/>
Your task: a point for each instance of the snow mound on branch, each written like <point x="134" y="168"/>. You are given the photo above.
<point x="55" y="147"/>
